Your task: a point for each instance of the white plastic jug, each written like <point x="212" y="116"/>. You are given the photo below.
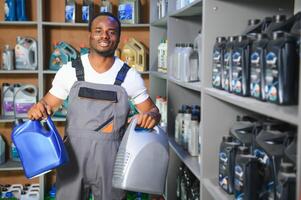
<point x="26" y="53"/>
<point x="7" y="58"/>
<point x="30" y="195"/>
<point x="24" y="97"/>
<point x="7" y="100"/>
<point x="184" y="64"/>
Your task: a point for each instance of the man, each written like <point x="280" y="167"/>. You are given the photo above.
<point x="99" y="86"/>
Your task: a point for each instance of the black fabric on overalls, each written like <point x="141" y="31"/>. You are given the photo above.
<point x="80" y="75"/>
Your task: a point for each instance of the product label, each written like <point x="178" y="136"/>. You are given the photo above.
<point x="226" y="71"/>
<point x="70" y="13"/>
<point x="236" y="72"/>
<point x="262" y="157"/>
<point x="23" y="107"/>
<point x="239" y="182"/>
<point x="217" y="69"/>
<point x="255" y="85"/>
<point x="125" y="12"/>
<point x="85" y="13"/>
<point x="8" y="106"/>
<point x="104" y="9"/>
<point x="271" y="77"/>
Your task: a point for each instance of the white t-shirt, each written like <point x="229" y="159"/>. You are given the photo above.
<point x="66" y="76"/>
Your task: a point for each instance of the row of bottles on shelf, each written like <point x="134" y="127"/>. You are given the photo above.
<point x="15" y="10"/>
<point x="134" y="53"/>
<point x="161" y="103"/>
<point x="128" y="10"/>
<point x="182" y="3"/>
<point x="263" y="63"/>
<point x="162" y="56"/>
<point x="188" y="187"/>
<point x="23" y="57"/>
<point x="17" y="99"/>
<point x="258" y="159"/>
<point x="185" y="61"/>
<point x="162" y="8"/>
<point x="20" y="192"/>
<point x="187" y="126"/>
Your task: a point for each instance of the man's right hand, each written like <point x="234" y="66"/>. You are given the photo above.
<point x="39" y="111"/>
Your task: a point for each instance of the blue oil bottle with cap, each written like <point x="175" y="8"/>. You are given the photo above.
<point x="10" y="10"/>
<point x="21" y="10"/>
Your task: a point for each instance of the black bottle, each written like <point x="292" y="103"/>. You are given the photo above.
<point x="270" y="150"/>
<point x="227" y="64"/>
<point x="247" y="181"/>
<point x="281" y="70"/>
<point x="286" y="188"/>
<point x="241" y="66"/>
<point x="258" y="53"/>
<point x="217" y="62"/>
<point x="227" y="153"/>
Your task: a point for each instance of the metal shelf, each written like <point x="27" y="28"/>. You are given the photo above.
<point x="214" y="189"/>
<point x="19" y="23"/>
<point x="190" y="161"/>
<point x="69" y="24"/>
<point x="18" y="71"/>
<point x="196" y="86"/>
<point x="160" y="22"/>
<point x="159" y="74"/>
<point x="284" y="113"/>
<point x="49" y="72"/>
<point x="193" y="9"/>
<point x="11" y="165"/>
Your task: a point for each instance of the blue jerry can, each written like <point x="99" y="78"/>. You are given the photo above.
<point x="40" y="150"/>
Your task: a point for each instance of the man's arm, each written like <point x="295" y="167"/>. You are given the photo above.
<point x="44" y="107"/>
<point x="149" y="114"/>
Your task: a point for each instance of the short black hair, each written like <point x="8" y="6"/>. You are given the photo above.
<point x="105" y="14"/>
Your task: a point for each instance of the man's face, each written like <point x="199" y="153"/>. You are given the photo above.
<point x="104" y="36"/>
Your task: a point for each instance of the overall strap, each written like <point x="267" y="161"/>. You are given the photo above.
<point x="121" y="74"/>
<point x="78" y="65"/>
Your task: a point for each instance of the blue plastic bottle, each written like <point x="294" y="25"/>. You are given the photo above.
<point x="40" y="150"/>
<point x="21" y="10"/>
<point x="10" y="10"/>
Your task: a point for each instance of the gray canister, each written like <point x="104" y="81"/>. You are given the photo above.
<point x="8" y="58"/>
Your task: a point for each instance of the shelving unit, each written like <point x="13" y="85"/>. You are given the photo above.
<point x="218" y="108"/>
<point x="47" y="26"/>
<point x="178" y="26"/>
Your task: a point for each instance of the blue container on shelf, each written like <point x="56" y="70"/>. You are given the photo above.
<point x="21" y="10"/>
<point x="40" y="150"/>
<point x="10" y="10"/>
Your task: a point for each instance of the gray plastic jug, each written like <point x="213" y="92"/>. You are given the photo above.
<point x="142" y="160"/>
<point x="26" y="53"/>
<point x="24" y="97"/>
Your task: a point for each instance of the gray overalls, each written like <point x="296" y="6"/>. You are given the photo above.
<point x="92" y="152"/>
